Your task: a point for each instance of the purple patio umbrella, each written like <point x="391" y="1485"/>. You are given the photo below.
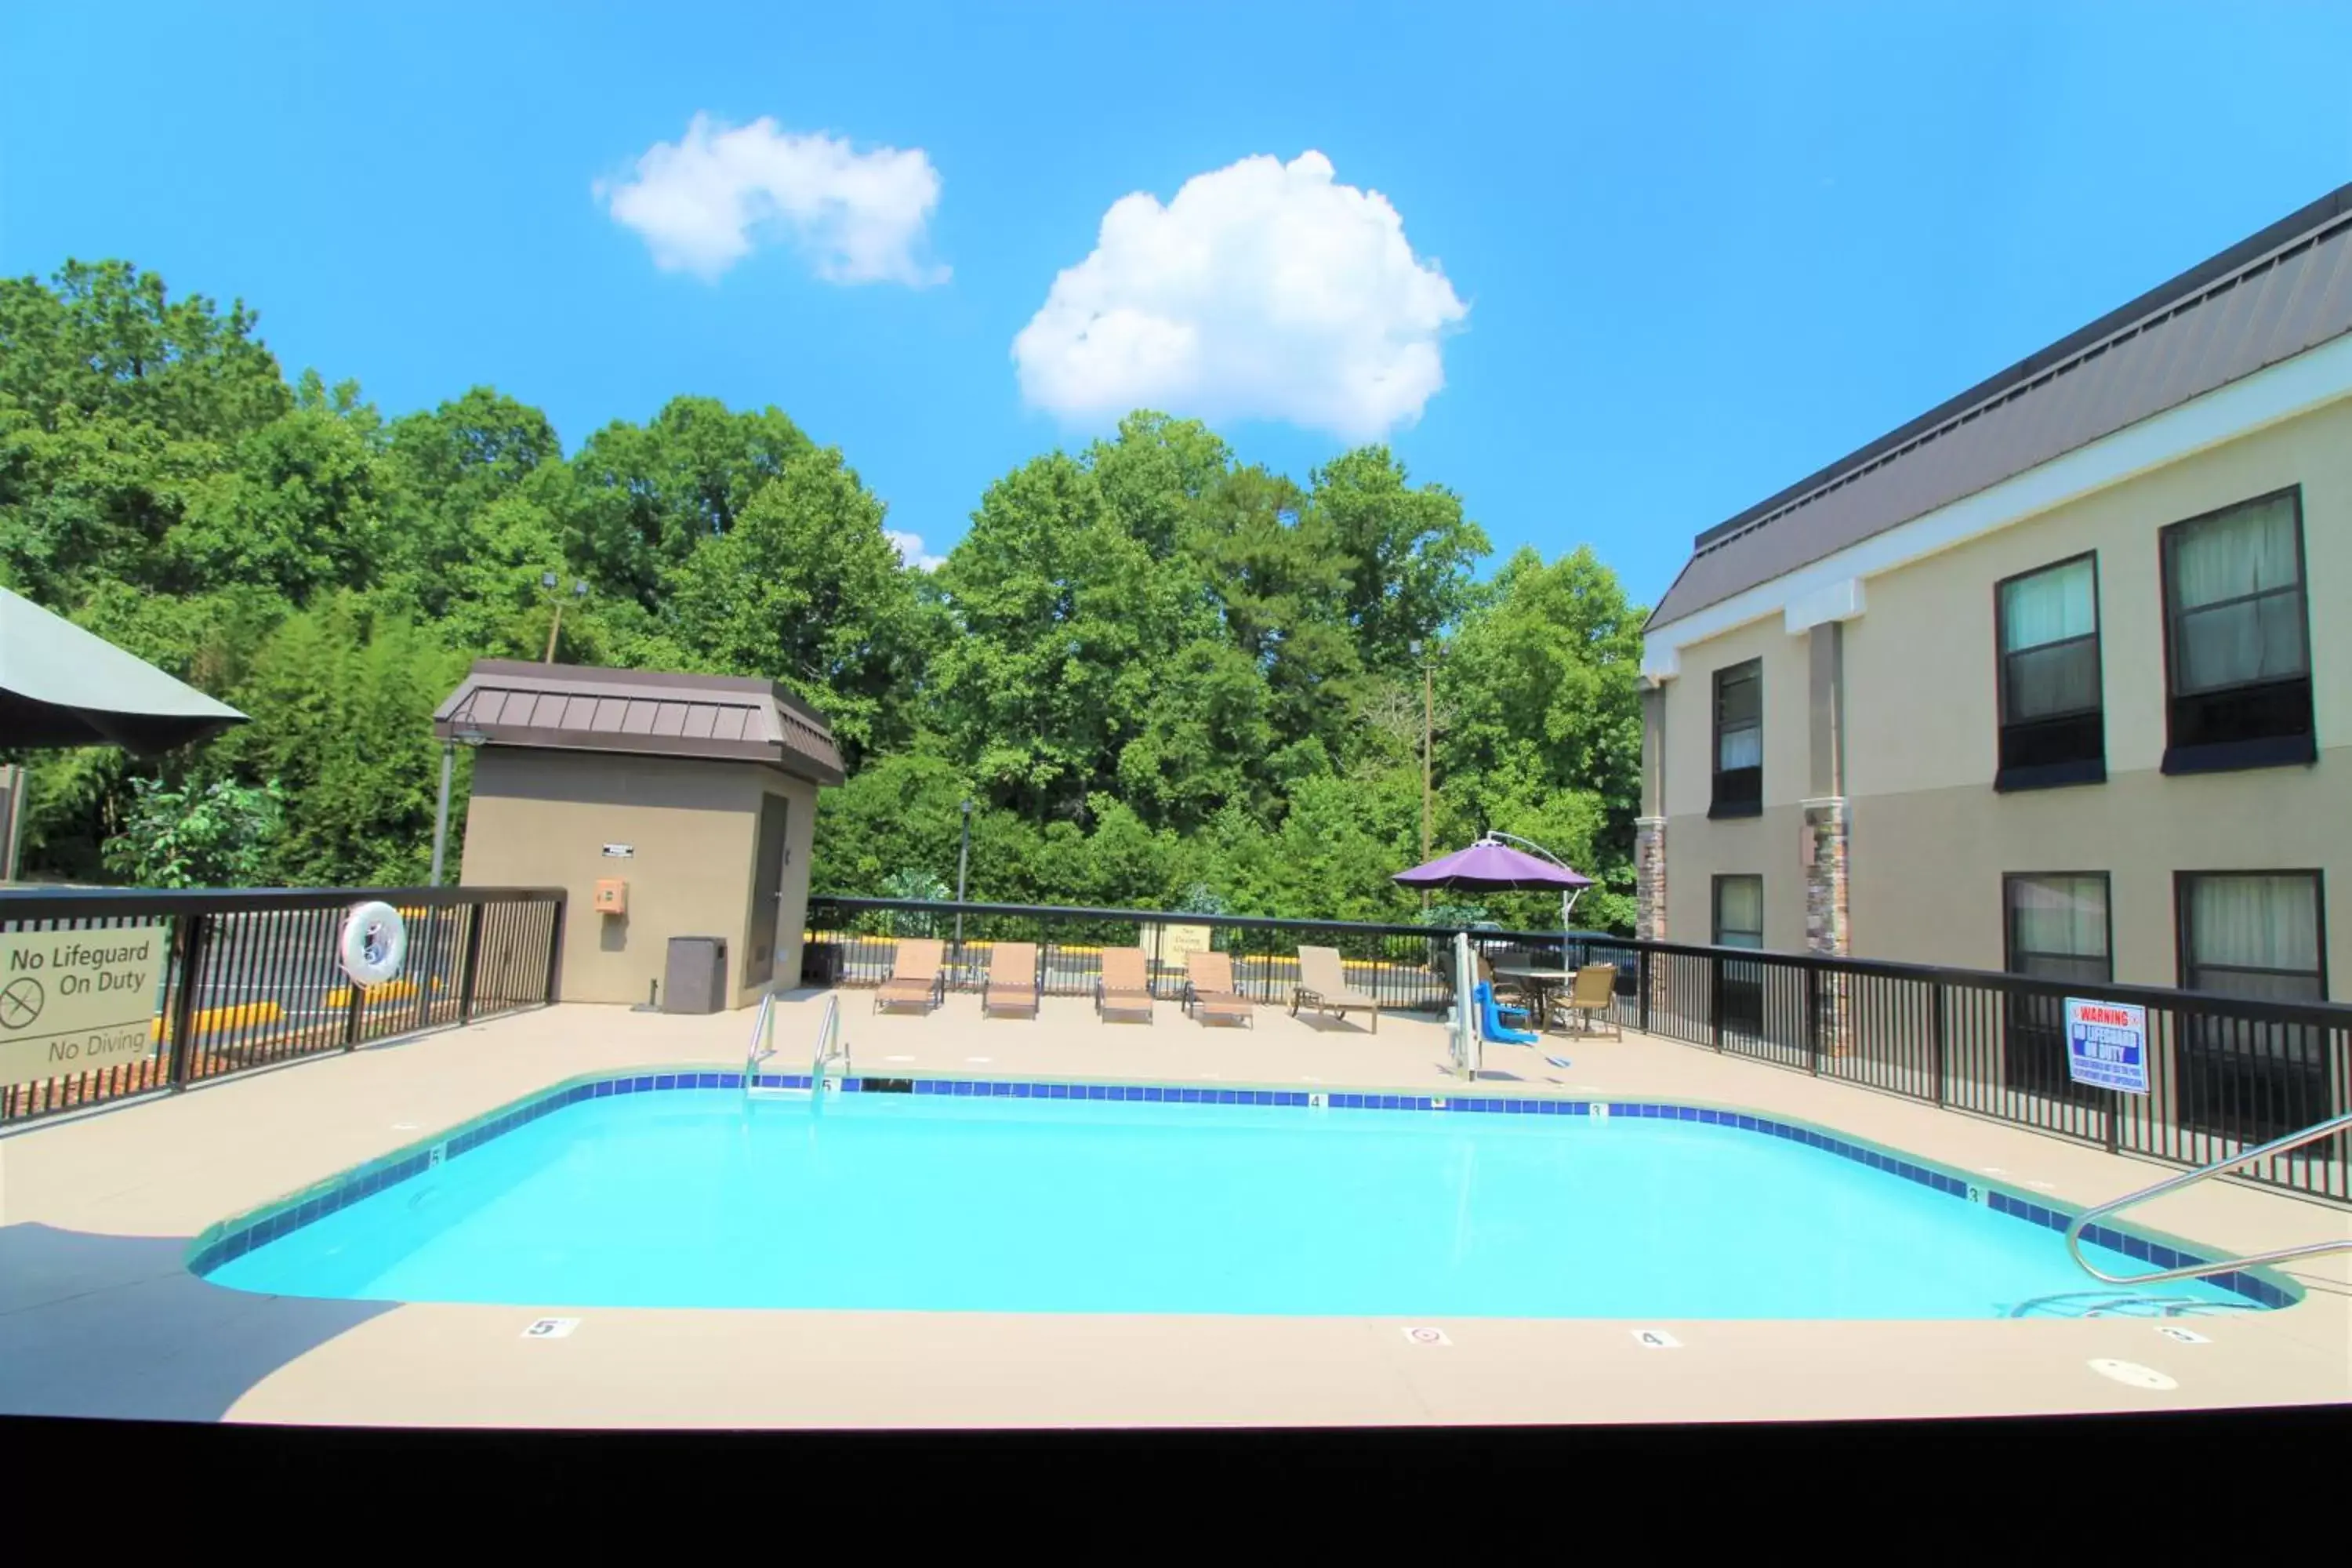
<point x="1488" y="866"/>
<point x="1491" y="866"/>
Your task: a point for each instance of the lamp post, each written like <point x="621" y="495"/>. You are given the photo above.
<point x="579" y="592"/>
<point x="963" y="862"/>
<point x="1428" y="732"/>
<point x="469" y="738"/>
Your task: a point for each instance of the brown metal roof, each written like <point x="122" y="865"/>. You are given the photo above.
<point x="647" y="713"/>
<point x="2267" y="299"/>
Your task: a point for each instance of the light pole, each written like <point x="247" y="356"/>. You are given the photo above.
<point x="963" y="863"/>
<point x="579" y="592"/>
<point x="1428" y="732"/>
<point x="469" y="738"/>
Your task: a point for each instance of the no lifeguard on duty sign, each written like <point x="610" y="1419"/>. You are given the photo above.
<point x="2107" y="1045"/>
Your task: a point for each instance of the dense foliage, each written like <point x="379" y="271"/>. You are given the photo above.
<point x="1167" y="679"/>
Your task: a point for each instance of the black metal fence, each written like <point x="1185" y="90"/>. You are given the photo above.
<point x="2225" y="1073"/>
<point x="250" y="978"/>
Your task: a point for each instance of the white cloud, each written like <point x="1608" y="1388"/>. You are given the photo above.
<point x="1263" y="290"/>
<point x="703" y="202"/>
<point x="911" y="551"/>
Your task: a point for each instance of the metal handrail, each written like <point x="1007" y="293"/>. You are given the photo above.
<point x="763" y="1040"/>
<point x="2318" y="1130"/>
<point x="827" y="1029"/>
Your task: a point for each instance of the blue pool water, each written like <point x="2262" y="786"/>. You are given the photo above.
<point x="696" y="1199"/>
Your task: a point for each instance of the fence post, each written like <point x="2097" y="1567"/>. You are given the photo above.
<point x="191" y="942"/>
<point x="428" y="975"/>
<point x="555" y="952"/>
<point x="1936" y="1035"/>
<point x="469" y="964"/>
<point x="1715" y="1000"/>
<point x="352" y="992"/>
<point x="1642" y="962"/>
<point x="1813" y="1017"/>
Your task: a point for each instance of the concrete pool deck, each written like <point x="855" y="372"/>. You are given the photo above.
<point x="98" y="1316"/>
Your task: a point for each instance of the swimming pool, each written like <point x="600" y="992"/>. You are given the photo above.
<point x="673" y="1190"/>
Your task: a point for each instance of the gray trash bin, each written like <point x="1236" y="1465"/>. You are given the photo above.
<point x="696" y="979"/>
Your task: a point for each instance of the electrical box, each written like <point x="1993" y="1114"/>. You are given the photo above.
<point x="695" y="981"/>
<point x="612" y="895"/>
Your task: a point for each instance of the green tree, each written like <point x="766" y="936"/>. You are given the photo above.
<point x="647" y="495"/>
<point x="347" y="699"/>
<point x="1059" y="614"/>
<point x="478" y="473"/>
<point x="806" y="588"/>
<point x="215" y="836"/>
<point x="1409" y="552"/>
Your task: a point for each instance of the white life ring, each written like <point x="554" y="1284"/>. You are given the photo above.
<point x="375" y="944"/>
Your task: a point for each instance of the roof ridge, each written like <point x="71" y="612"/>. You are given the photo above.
<point x="2308" y="226"/>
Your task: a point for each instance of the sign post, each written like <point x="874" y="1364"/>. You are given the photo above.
<point x="2107" y="1045"/>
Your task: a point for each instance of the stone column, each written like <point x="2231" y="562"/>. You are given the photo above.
<point x="1650" y="836"/>
<point x="1827" y="819"/>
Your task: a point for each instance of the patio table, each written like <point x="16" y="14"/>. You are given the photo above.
<point x="1540" y="985"/>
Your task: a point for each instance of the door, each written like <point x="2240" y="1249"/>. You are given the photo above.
<point x="769" y="854"/>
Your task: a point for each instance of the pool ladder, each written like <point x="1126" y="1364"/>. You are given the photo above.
<point x="2311" y="1134"/>
<point x="832" y="1046"/>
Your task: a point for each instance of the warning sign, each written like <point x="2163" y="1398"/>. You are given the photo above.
<point x="2107" y="1045"/>
<point x="71" y="1000"/>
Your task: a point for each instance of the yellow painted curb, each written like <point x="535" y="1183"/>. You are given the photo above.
<point x="244" y="1014"/>
<point x="376" y="995"/>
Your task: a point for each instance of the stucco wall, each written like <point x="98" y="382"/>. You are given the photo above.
<point x="542" y="818"/>
<point x="1930" y="837"/>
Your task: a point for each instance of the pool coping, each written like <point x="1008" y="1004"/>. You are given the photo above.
<point x="237" y="1234"/>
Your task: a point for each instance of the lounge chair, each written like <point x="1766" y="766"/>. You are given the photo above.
<point x="1124" y="988"/>
<point x="916" y="979"/>
<point x="1323" y="988"/>
<point x="1595" y="992"/>
<point x="1209" y="991"/>
<point x="1011" y="985"/>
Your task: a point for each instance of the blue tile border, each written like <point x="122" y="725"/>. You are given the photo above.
<point x="235" y="1237"/>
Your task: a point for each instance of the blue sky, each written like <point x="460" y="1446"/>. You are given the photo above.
<point x="1681" y="255"/>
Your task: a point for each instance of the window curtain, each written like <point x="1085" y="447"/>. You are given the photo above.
<point x="2049" y="607"/>
<point x="2061" y="916"/>
<point x="1739" y="911"/>
<point x="2250" y="551"/>
<point x="1742" y="748"/>
<point x="2254" y="923"/>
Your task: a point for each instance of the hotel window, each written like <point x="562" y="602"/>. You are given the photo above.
<point x="1739" y="911"/>
<point x="2261" y="935"/>
<point x="2237" y="643"/>
<point x="2057" y="929"/>
<point x="2253" y="934"/>
<point x="2052" y="730"/>
<point x="1739" y="741"/>
<point x="2058" y="926"/>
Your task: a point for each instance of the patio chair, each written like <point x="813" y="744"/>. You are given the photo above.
<point x="1011" y="984"/>
<point x="915" y="977"/>
<point x="1323" y="988"/>
<point x="1124" y="989"/>
<point x="1595" y="992"/>
<point x="1209" y="991"/>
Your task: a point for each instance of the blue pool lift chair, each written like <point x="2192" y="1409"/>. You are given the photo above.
<point x="1490" y="1019"/>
